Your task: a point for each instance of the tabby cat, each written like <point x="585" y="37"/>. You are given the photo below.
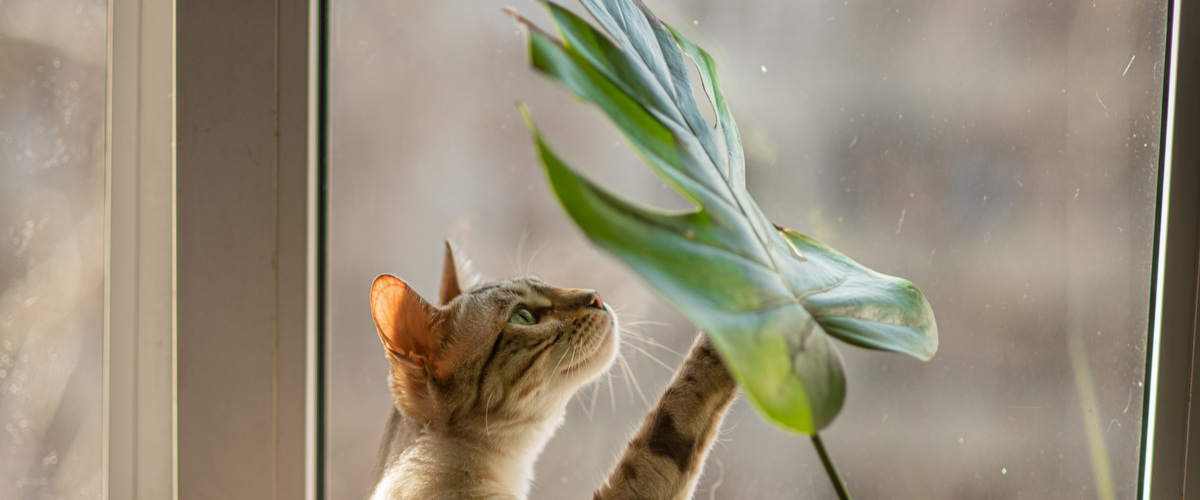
<point x="482" y="382"/>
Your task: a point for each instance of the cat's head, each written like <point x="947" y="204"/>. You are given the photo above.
<point x="494" y="357"/>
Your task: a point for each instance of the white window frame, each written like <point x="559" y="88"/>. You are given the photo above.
<point x="214" y="260"/>
<point x="210" y="348"/>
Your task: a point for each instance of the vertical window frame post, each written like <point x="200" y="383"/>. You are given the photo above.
<point x="1170" y="451"/>
<point x="211" y="293"/>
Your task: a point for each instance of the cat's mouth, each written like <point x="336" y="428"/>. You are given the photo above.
<point x="603" y="350"/>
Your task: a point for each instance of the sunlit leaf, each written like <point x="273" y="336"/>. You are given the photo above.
<point x="770" y="298"/>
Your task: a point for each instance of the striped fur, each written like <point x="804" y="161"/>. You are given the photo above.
<point x="666" y="456"/>
<point x="472" y="416"/>
<point x="477" y="396"/>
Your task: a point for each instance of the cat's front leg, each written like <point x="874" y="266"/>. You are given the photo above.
<point x="666" y="455"/>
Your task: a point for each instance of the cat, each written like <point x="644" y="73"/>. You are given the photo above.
<point x="481" y="383"/>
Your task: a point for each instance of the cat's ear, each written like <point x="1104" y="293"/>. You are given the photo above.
<point x="404" y="320"/>
<point x="450" y="288"/>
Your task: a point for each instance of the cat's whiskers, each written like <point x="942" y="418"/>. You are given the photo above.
<point x="583" y="407"/>
<point x="724" y="431"/>
<point x="634" y="335"/>
<point x="645" y="322"/>
<point x="574" y="351"/>
<point x="629" y="328"/>
<point x="631" y="381"/>
<point x="520" y="250"/>
<point x="612" y="396"/>
<point x="488" y="406"/>
<point x="629" y="373"/>
<point x="596" y="383"/>
<point x="570" y="368"/>
<point x="628" y="386"/>
<point x="647" y="340"/>
<point x="595" y="396"/>
<point x="712" y="490"/>
<point x="652" y="358"/>
<point x="560" y="359"/>
<point x="531" y="265"/>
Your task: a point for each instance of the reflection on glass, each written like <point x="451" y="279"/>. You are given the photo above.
<point x="1001" y="155"/>
<point x="52" y="102"/>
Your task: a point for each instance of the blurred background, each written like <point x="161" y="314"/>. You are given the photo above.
<point x="52" y="116"/>
<point x="1001" y="154"/>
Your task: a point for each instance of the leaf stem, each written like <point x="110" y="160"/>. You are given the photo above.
<point x="838" y="484"/>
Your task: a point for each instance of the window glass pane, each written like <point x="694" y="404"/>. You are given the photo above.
<point x="52" y="117"/>
<point x="1001" y="155"/>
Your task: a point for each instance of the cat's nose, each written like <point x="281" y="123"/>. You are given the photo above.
<point x="594" y="300"/>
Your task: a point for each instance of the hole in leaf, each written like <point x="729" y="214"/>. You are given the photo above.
<point x="699" y="92"/>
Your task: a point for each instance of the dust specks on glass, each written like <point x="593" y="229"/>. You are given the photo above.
<point x="52" y="118"/>
<point x="1002" y="156"/>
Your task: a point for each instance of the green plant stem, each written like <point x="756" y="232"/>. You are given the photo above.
<point x="838" y="485"/>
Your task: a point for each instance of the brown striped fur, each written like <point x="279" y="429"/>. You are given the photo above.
<point x="477" y="397"/>
<point x="666" y="456"/>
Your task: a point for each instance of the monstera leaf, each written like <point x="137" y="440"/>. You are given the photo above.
<point x="769" y="298"/>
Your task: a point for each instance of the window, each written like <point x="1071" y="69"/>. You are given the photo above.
<point x="1002" y="156"/>
<point x="52" y="262"/>
<point x="193" y="201"/>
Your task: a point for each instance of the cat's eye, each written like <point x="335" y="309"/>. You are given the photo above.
<point x="522" y="316"/>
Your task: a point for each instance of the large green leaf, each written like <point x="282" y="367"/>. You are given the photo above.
<point x="769" y="297"/>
